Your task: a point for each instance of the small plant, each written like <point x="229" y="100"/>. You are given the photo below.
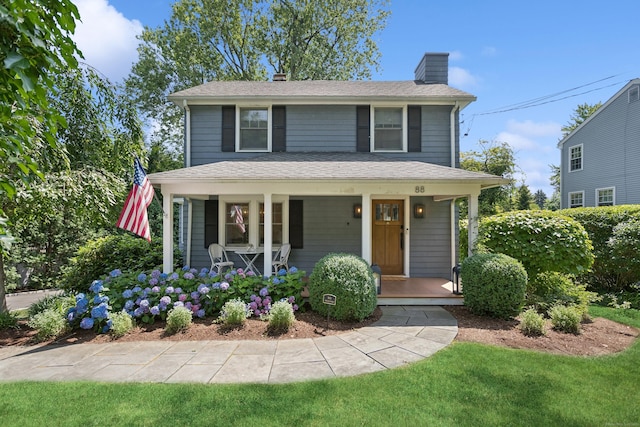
<point x="532" y="323"/>
<point x="281" y="316"/>
<point x="121" y="323"/>
<point x="565" y="319"/>
<point x="59" y="302"/>
<point x="49" y="323"/>
<point x="8" y="320"/>
<point x="234" y="312"/>
<point x="178" y="319"/>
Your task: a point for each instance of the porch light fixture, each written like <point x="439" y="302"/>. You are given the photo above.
<point x="357" y="210"/>
<point x="418" y="211"/>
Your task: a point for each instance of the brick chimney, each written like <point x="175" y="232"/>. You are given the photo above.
<point x="433" y="68"/>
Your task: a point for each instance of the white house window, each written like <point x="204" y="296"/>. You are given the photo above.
<point x="244" y="221"/>
<point x="253" y="134"/>
<point x="575" y="158"/>
<point x="237" y="224"/>
<point x="605" y="196"/>
<point x="388" y="125"/>
<point x="576" y="199"/>
<point x="276" y="223"/>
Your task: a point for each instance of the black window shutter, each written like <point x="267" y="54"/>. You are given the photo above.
<point x="278" y="128"/>
<point x="363" y="117"/>
<point x="295" y="224"/>
<point x="414" y="119"/>
<point x="228" y="128"/>
<point x="210" y="222"/>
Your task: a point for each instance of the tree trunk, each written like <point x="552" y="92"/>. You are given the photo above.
<point x="3" y="297"/>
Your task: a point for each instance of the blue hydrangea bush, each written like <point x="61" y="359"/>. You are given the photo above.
<point x="148" y="297"/>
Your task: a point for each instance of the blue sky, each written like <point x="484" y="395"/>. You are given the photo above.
<point x="561" y="53"/>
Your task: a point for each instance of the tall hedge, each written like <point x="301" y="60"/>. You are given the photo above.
<point x="540" y="240"/>
<point x="599" y="224"/>
<point x="121" y="251"/>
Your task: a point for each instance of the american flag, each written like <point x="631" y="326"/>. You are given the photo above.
<point x="237" y="212"/>
<point x="134" y="213"/>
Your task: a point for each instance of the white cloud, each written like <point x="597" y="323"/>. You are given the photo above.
<point x="455" y="55"/>
<point x="459" y="77"/>
<point x="489" y="51"/>
<point x="517" y="141"/>
<point x="106" y="38"/>
<point x="531" y="128"/>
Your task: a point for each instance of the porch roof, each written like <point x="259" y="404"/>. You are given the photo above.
<point x="309" y="167"/>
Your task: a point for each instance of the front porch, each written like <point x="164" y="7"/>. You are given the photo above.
<point x="396" y="290"/>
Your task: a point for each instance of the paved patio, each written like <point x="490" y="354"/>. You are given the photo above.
<point x="404" y="334"/>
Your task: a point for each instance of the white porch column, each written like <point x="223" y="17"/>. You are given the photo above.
<point x="366" y="228"/>
<point x="268" y="234"/>
<point x="167" y="232"/>
<point x="473" y="220"/>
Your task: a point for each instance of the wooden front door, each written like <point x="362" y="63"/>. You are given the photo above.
<point x="388" y="235"/>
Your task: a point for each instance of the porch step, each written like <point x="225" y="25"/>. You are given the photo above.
<point x="421" y="301"/>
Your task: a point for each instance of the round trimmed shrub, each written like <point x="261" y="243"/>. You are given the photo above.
<point x="532" y="323"/>
<point x="493" y="285"/>
<point x="350" y="279"/>
<point x="565" y="319"/>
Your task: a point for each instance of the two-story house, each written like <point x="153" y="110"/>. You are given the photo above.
<point x="598" y="163"/>
<point x="364" y="167"/>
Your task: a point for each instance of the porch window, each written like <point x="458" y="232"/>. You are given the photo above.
<point x="237" y="223"/>
<point x="575" y="158"/>
<point x="576" y="199"/>
<point x="605" y="196"/>
<point x="276" y="223"/>
<point x="388" y="125"/>
<point x="254" y="129"/>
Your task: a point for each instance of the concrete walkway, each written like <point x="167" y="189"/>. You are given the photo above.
<point x="403" y="335"/>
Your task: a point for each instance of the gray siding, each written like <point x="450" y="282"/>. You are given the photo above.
<point x="430" y="240"/>
<point x="329" y="128"/>
<point x="611" y="147"/>
<point x="321" y="128"/>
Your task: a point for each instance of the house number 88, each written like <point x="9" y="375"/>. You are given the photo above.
<point x="419" y="188"/>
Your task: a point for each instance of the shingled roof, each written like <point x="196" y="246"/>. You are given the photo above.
<point x="321" y="91"/>
<point x="323" y="167"/>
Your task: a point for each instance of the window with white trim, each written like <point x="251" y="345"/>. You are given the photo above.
<point x="576" y="199"/>
<point x="253" y="129"/>
<point x="244" y="221"/>
<point x="605" y="196"/>
<point x="389" y="129"/>
<point x="575" y="158"/>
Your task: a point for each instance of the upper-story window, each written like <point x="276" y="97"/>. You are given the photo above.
<point x="389" y="129"/>
<point x="576" y="199"/>
<point x="253" y="134"/>
<point x="575" y="158"/>
<point x="605" y="196"/>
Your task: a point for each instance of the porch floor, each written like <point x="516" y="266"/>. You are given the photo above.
<point x="397" y="290"/>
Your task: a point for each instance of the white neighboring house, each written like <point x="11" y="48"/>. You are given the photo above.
<point x="599" y="160"/>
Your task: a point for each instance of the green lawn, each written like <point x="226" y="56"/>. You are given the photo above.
<point x="465" y="384"/>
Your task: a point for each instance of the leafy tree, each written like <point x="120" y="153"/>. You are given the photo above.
<point x="553" y="203"/>
<point x="524" y="198"/>
<point x="496" y="158"/>
<point x="207" y="40"/>
<point x="580" y="114"/>
<point x="540" y="198"/>
<point x="35" y="46"/>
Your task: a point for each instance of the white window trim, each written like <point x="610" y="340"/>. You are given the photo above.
<point x="598" y="190"/>
<point x="405" y="132"/>
<point x="254" y="218"/>
<point x="269" y="127"/>
<point x="569" y="199"/>
<point x="581" y="157"/>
